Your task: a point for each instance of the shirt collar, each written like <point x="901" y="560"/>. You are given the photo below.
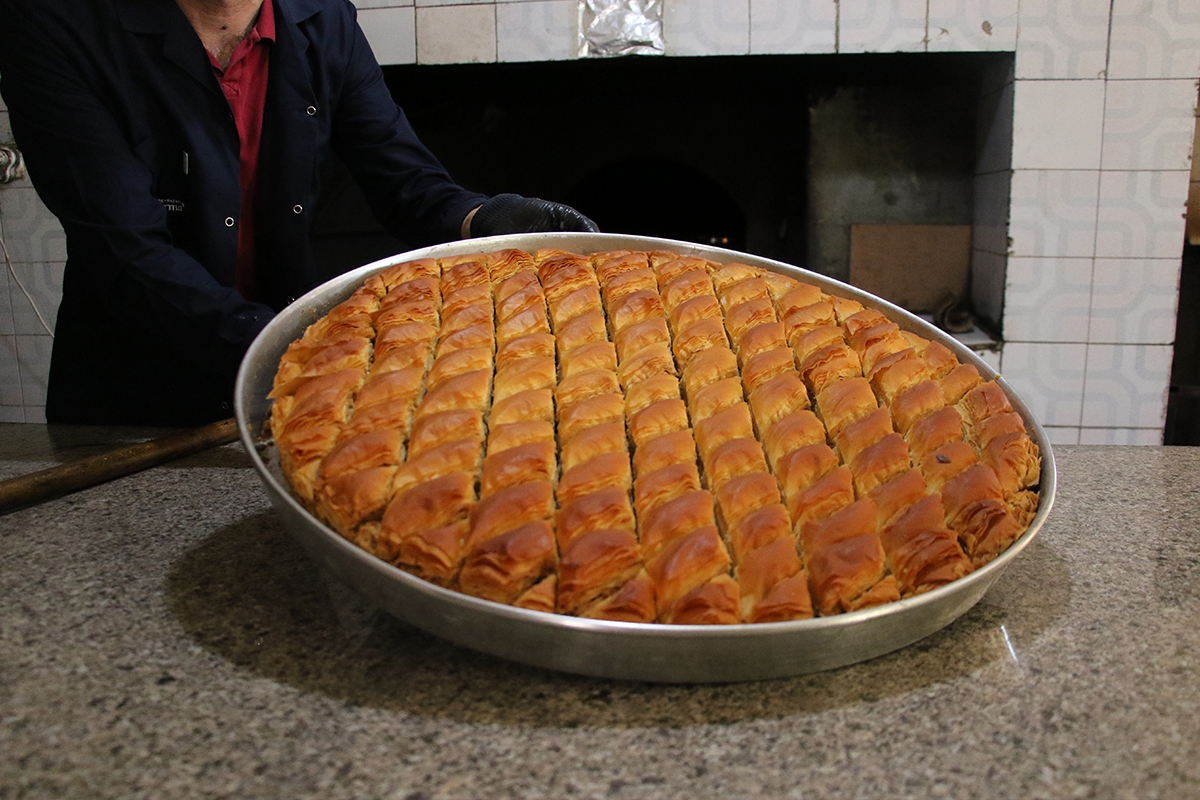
<point x="265" y="27"/>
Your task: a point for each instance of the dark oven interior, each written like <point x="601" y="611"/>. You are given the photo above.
<point x="775" y="155"/>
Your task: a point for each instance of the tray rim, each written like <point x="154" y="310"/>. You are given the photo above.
<point x="316" y="302"/>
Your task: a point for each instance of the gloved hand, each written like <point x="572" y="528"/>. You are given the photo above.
<point x="512" y="213"/>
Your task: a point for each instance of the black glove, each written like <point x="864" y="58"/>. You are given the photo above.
<point x="512" y="213"/>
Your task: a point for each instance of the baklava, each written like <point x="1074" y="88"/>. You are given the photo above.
<point x="647" y="437"/>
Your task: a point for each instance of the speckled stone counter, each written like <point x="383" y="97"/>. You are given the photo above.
<point x="162" y="637"/>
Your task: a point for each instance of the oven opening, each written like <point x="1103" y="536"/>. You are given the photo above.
<point x="872" y="169"/>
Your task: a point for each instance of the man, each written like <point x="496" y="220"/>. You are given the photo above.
<point x="179" y="143"/>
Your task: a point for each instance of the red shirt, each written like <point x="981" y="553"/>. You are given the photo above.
<point x="244" y="83"/>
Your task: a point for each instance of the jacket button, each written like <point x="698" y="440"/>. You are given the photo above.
<point x="229" y="222"/>
<point x="296" y="209"/>
<point x="311" y="110"/>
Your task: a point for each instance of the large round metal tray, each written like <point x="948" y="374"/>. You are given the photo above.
<point x="667" y="653"/>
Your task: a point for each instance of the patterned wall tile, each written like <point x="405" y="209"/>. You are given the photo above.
<point x="881" y="26"/>
<point x="33" y="358"/>
<point x="1061" y="436"/>
<point x="1134" y="300"/>
<point x="1053" y="212"/>
<point x="1048" y="299"/>
<point x="987" y="284"/>
<point x="456" y="34"/>
<point x="545" y="30"/>
<point x="994" y="130"/>
<point x="706" y="27"/>
<point x="785" y="26"/>
<point x="1049" y="378"/>
<point x="1149" y="124"/>
<point x="30" y="231"/>
<point x="44" y="283"/>
<point x="10" y="373"/>
<point x="1062" y="38"/>
<point x="392" y="34"/>
<point x="989" y="231"/>
<point x="1155" y="39"/>
<point x="972" y="25"/>
<point x="1141" y="214"/>
<point x="1142" y="437"/>
<point x="1126" y="386"/>
<point x="7" y="325"/>
<point x="1057" y="124"/>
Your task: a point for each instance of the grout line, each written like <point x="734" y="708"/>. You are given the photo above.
<point x="925" y="39"/>
<point x="1095" y="239"/>
<point x="1108" y="38"/>
<point x="749" y="27"/>
<point x="837" y="26"/>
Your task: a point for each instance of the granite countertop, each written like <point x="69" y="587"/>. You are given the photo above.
<point x="162" y="636"/>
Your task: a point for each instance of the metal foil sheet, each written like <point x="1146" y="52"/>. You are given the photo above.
<point x="620" y="28"/>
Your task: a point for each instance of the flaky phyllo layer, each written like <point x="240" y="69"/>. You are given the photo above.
<point x="647" y="437"/>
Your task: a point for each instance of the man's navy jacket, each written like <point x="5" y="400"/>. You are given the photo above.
<point x="131" y="144"/>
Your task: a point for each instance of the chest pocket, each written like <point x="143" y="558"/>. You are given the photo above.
<point x="169" y="166"/>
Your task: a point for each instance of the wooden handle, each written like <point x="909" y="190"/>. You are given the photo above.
<point x="38" y="487"/>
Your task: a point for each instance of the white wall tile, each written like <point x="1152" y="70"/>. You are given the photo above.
<point x="1141" y="214"/>
<point x="544" y="30"/>
<point x="1155" y="39"/>
<point x="1134" y="300"/>
<point x="987" y="284"/>
<point x="1062" y="39"/>
<point x="785" y="26"/>
<point x="994" y="130"/>
<point x="391" y="32"/>
<point x="1126" y="386"/>
<point x="1061" y="436"/>
<point x="972" y="25"/>
<point x="5" y="128"/>
<point x="455" y="2"/>
<point x="1057" y="124"/>
<point x="33" y="358"/>
<point x="456" y="34"/>
<point x="1048" y="378"/>
<point x="1142" y="437"/>
<point x="44" y="283"/>
<point x="30" y="231"/>
<point x="35" y="415"/>
<point x="1053" y="212"/>
<point x="881" y="26"/>
<point x="12" y="414"/>
<point x="989" y="231"/>
<point x="991" y="358"/>
<point x="1149" y="124"/>
<point x="10" y="373"/>
<point x="706" y="27"/>
<point x="1048" y="299"/>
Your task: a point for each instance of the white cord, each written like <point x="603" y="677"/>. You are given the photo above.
<point x="21" y="286"/>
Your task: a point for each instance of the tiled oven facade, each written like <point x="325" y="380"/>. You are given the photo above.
<point x="1080" y="187"/>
